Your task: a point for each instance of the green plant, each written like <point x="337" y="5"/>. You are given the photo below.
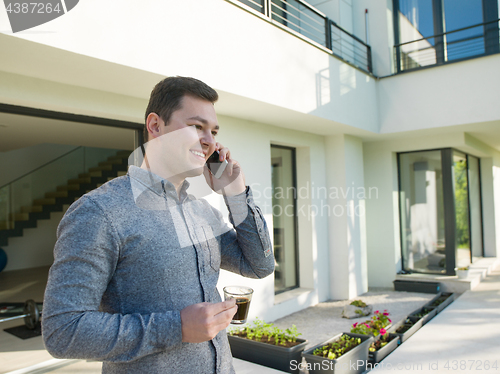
<point x="358" y="303"/>
<point x="404" y="328"/>
<point x="382" y="342"/>
<point x="423" y="312"/>
<point x="373" y="326"/>
<point x="267" y="333"/>
<point x="463" y="268"/>
<point x="337" y="348"/>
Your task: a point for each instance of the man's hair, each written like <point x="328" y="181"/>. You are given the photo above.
<point x="167" y="96"/>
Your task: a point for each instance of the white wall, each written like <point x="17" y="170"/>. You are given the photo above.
<point x="250" y="144"/>
<point x="459" y="93"/>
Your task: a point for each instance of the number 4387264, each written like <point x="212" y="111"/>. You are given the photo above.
<point x="33" y="8"/>
<point x="471" y="364"/>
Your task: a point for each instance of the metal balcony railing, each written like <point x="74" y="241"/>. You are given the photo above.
<point x="472" y="41"/>
<point x="302" y="18"/>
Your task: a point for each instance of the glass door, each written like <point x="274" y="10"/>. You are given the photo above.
<point x="422" y="212"/>
<point x="440" y="210"/>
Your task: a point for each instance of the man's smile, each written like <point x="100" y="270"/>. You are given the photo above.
<point x="197" y="153"/>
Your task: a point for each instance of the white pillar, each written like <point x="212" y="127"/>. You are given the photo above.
<point x="347" y="230"/>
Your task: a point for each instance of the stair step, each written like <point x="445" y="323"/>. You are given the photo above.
<point x="46" y="201"/>
<point x="111" y="162"/>
<point x="118" y="159"/>
<point x="79" y="180"/>
<point x="19" y="217"/>
<point x="101" y="168"/>
<point x="32" y="209"/>
<point x="70" y="187"/>
<point x="123" y="153"/>
<point x="6" y="225"/>
<point x="91" y="174"/>
<point x="122" y="173"/>
<point x="99" y="184"/>
<point x="57" y="194"/>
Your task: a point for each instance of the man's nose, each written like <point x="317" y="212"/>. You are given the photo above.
<point x="206" y="138"/>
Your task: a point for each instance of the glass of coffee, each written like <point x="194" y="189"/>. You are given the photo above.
<point x="243" y="295"/>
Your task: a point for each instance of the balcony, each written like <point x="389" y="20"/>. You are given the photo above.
<point x="457" y="45"/>
<point x="304" y="21"/>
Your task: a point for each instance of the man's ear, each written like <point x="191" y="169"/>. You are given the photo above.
<point x="153" y="124"/>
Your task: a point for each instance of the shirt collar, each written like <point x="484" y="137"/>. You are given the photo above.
<point x="156" y="183"/>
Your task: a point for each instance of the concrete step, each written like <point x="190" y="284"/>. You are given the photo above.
<point x="31" y="209"/>
<point x="6" y="225"/>
<point x="70" y="187"/>
<point x="46" y="201"/>
<point x="101" y="168"/>
<point x="118" y="159"/>
<point x="123" y="153"/>
<point x="91" y="174"/>
<point x="19" y="217"/>
<point x="450" y="283"/>
<point x="79" y="180"/>
<point x="57" y="194"/>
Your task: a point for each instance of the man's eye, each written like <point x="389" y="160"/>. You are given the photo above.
<point x="214" y="133"/>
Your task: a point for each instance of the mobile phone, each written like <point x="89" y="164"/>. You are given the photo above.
<point x="216" y="166"/>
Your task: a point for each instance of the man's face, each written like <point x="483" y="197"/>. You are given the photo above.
<point x="185" y="144"/>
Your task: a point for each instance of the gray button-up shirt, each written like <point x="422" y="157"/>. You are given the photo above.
<point x="129" y="257"/>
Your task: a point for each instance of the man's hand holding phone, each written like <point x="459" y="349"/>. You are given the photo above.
<point x="224" y="175"/>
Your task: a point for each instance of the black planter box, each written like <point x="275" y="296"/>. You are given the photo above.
<point x="377" y="356"/>
<point x="444" y="304"/>
<point x="270" y="355"/>
<point x="353" y="362"/>
<point x="428" y="316"/>
<point x="404" y="336"/>
<point x="412" y="286"/>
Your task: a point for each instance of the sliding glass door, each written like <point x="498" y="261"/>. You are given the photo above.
<point x="440" y="210"/>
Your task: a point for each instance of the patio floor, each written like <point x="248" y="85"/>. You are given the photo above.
<point x="468" y="329"/>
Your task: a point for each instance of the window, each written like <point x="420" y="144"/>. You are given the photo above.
<point x="430" y="32"/>
<point x="284" y="205"/>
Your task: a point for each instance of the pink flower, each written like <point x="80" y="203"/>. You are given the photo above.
<point x="355" y="324"/>
<point x="376" y="312"/>
<point x="389" y="320"/>
<point x="367" y="325"/>
<point x="383" y="331"/>
<point x="386" y="314"/>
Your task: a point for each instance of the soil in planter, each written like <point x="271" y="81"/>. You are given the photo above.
<point x="263" y="339"/>
<point x="338" y="347"/>
<point x="407" y="325"/>
<point x="380" y="343"/>
<point x="440" y="300"/>
<point x="423" y="313"/>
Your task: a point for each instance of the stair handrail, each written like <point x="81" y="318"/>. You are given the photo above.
<point x="42" y="166"/>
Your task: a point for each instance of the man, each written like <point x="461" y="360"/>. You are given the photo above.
<point x="137" y="260"/>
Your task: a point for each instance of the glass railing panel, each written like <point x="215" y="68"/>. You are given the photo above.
<point x="17" y="197"/>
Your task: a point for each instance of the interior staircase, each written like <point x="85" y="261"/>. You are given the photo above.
<point x="54" y="201"/>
